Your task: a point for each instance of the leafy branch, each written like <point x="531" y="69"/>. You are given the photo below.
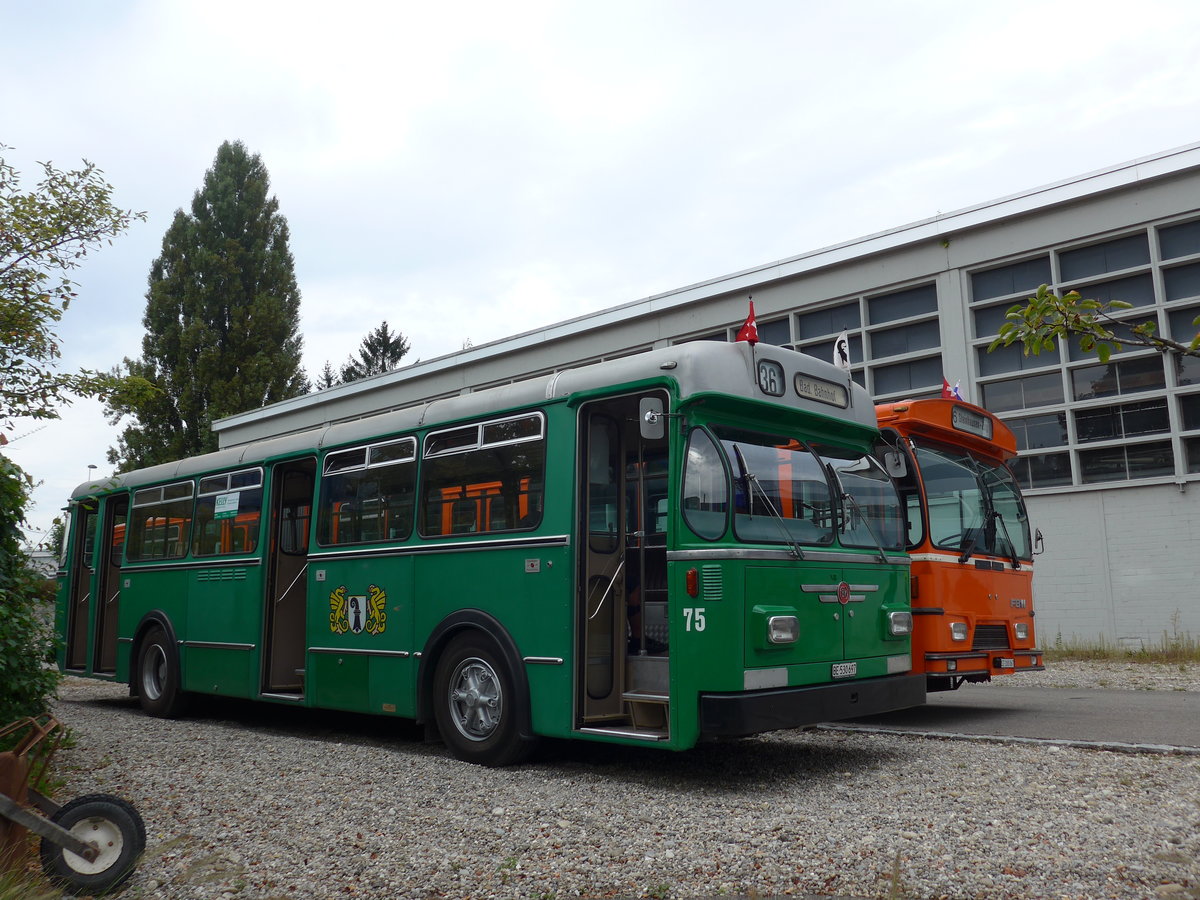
<point x="1046" y="318"/>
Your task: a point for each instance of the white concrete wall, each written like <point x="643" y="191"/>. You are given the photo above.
<point x="1120" y="564"/>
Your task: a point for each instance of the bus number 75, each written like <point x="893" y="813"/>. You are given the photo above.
<point x="693" y="617"/>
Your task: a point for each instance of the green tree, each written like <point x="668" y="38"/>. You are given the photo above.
<point x="44" y="235"/>
<point x="27" y="642"/>
<point x="327" y="379"/>
<point x="1046" y="318"/>
<point x="222" y="317"/>
<point x="380" y="351"/>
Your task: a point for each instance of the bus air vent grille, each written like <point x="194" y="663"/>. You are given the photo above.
<point x="990" y="637"/>
<point x="238" y="574"/>
<point x="712" y="586"/>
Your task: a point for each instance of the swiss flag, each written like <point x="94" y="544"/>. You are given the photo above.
<point x="749" y="329"/>
<point x="947" y="391"/>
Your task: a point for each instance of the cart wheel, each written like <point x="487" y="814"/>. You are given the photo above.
<point x="110" y="823"/>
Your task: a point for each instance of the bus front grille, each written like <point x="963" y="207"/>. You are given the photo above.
<point x="990" y="637"/>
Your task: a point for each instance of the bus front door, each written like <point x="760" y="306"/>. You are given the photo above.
<point x="112" y="545"/>
<point x="82" y="569"/>
<point x="287" y="587"/>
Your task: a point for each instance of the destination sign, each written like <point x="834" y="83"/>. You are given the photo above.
<point x="971" y="422"/>
<point x="821" y="391"/>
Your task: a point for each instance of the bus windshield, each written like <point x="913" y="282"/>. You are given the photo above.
<point x="786" y="493"/>
<point x="974" y="504"/>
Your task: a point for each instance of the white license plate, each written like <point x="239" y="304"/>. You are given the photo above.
<point x="1007" y="663"/>
<point x="845" y="670"/>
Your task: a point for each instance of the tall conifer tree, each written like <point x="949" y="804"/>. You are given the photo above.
<point x="380" y="351"/>
<point x="222" y="317"/>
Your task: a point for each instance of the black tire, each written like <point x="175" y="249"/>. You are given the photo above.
<point x="476" y="705"/>
<point x="114" y="826"/>
<point x="157" y="676"/>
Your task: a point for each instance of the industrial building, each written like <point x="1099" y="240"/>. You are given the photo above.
<point x="1109" y="452"/>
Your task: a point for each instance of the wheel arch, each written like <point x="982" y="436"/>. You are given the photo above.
<point x="155" y="618"/>
<point x="473" y="621"/>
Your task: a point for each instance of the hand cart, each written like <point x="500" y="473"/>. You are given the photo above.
<point x="89" y="845"/>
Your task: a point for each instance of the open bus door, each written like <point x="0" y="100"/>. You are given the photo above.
<point x="79" y="612"/>
<point x="622" y="567"/>
<point x="112" y="544"/>
<point x="292" y="484"/>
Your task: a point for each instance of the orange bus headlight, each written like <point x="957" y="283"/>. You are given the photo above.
<point x="783" y="629"/>
<point x="900" y="623"/>
<point x="1021" y="630"/>
<point x="958" y="631"/>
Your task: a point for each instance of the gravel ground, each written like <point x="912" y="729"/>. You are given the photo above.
<point x="246" y="801"/>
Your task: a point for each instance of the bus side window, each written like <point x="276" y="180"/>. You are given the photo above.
<point x="462" y="516"/>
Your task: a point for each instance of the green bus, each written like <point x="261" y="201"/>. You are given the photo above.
<point x="685" y="544"/>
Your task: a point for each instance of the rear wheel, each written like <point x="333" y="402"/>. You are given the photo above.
<point x="158" y="676"/>
<point x="476" y="705"/>
<point x="112" y="827"/>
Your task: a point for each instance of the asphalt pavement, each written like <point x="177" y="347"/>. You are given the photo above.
<point x="1162" y="721"/>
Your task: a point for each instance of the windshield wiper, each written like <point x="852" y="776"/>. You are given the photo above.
<point x="846" y="495"/>
<point x="1012" y="549"/>
<point x="751" y="482"/>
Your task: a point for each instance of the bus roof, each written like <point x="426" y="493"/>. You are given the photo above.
<point x="807" y="384"/>
<point x="953" y="422"/>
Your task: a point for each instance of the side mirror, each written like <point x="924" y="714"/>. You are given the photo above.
<point x="1039" y="545"/>
<point x="651" y="421"/>
<point x="894" y="463"/>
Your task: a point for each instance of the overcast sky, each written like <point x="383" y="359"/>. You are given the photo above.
<point x="468" y="171"/>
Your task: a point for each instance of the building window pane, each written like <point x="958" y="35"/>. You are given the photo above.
<point x="1129" y="420"/>
<point x="1022" y="276"/>
<point x="1179" y="240"/>
<point x="905" y="339"/>
<point x="1111" y="379"/>
<point x="1137" y="290"/>
<point x="1035" y="432"/>
<point x="828" y="321"/>
<point x="777" y="332"/>
<point x="1121" y="463"/>
<point x="1021" y="393"/>
<point x="1182" y="322"/>
<point x="989" y="319"/>
<point x="1192" y="448"/>
<point x="1182" y="282"/>
<point x="1189" y="409"/>
<point x="1123" y="253"/>
<point x="908" y="376"/>
<point x="1013" y="359"/>
<point x="1043" y="470"/>
<point x="902" y="304"/>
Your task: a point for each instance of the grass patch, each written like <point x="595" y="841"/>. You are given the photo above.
<point x="1174" y="646"/>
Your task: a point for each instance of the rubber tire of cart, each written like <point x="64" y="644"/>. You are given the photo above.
<point x="109" y="821"/>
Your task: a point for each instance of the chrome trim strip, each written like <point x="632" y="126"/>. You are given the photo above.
<point x="543" y="660"/>
<point x="217" y="645"/>
<point x="837" y="556"/>
<point x="632" y="735"/>
<point x="354" y="651"/>
<point x="558" y="540"/>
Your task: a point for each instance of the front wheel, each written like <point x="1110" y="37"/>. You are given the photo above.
<point x="476" y="706"/>
<point x="109" y="824"/>
<point x="158" y="676"/>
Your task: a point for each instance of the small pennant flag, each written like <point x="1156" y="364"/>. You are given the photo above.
<point x="947" y="393"/>
<point x="957" y="393"/>
<point x="749" y="329"/>
<point x="841" y="351"/>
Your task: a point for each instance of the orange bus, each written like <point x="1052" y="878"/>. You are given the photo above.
<point x="969" y="540"/>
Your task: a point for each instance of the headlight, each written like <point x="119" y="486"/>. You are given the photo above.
<point x="900" y="623"/>
<point x="783" y="629"/>
<point x="1021" y="630"/>
<point x="958" y="631"/>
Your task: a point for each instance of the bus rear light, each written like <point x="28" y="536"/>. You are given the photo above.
<point x="693" y="582"/>
<point x="1021" y="630"/>
<point x="783" y="629"/>
<point x="900" y="623"/>
<point x="958" y="631"/>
